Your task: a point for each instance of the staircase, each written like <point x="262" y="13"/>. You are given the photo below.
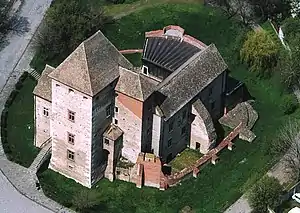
<point x="42" y="156"/>
<point x="34" y="74"/>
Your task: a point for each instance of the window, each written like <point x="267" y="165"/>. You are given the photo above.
<point x="209" y="91"/>
<point x="212" y="105"/>
<point x="97" y="98"/>
<point x="108" y="111"/>
<point x="183" y="130"/>
<point x="169" y="142"/>
<point x="116" y="121"/>
<point x="184" y="114"/>
<point x="171" y="126"/>
<point x="71" y="155"/>
<point x="106" y="141"/>
<point x="149" y="130"/>
<point x="116" y="109"/>
<point x="71" y="91"/>
<point x="71" y="115"/>
<point x="145" y="70"/>
<point x="46" y="111"/>
<point x="71" y="138"/>
<point x="57" y="85"/>
<point x="149" y="108"/>
<point x="85" y="97"/>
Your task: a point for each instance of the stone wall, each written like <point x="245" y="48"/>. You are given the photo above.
<point x="199" y="134"/>
<point x="129" y="118"/>
<point x="63" y="100"/>
<point x="42" y="122"/>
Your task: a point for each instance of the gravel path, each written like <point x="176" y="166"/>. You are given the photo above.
<point x="11" y="201"/>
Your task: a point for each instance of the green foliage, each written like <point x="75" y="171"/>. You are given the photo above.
<point x="291" y="27"/>
<point x="20" y="125"/>
<point x="67" y="24"/>
<point x="289" y="104"/>
<point x="289" y="63"/>
<point x="260" y="52"/>
<point x="116" y="1"/>
<point x="264" y="193"/>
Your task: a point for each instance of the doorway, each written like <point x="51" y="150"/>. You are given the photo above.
<point x="198" y="145"/>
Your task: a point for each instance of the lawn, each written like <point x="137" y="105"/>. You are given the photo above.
<point x="20" y="125"/>
<point x="186" y="158"/>
<point x="217" y="186"/>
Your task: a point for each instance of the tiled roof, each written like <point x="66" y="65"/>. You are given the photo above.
<point x="92" y="66"/>
<point x="190" y="79"/>
<point x="43" y="87"/>
<point x="135" y="84"/>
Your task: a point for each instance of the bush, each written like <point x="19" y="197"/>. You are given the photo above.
<point x="23" y="77"/>
<point x="18" y="85"/>
<point x="4" y="118"/>
<point x="11" y="98"/>
<point x="116" y="1"/>
<point x="265" y="193"/>
<point x="288" y="104"/>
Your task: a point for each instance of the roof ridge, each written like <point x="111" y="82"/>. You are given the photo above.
<point x="88" y="69"/>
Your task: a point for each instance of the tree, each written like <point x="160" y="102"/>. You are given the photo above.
<point x="272" y="9"/>
<point x="260" y="52"/>
<point x="85" y="199"/>
<point x="265" y="193"/>
<point x="289" y="143"/>
<point x="67" y="24"/>
<point x="291" y="27"/>
<point x="289" y="64"/>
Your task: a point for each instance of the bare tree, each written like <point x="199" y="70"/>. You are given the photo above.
<point x="289" y="143"/>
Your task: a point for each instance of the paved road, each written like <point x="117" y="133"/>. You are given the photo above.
<point x="11" y="201"/>
<point x="32" y="12"/>
<point x="14" y="58"/>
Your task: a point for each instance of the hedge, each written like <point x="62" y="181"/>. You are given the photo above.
<point x="4" y="114"/>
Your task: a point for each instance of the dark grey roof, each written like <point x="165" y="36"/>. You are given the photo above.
<point x="190" y="79"/>
<point x="43" y="87"/>
<point x="135" y="84"/>
<point x="168" y="52"/>
<point x="92" y="66"/>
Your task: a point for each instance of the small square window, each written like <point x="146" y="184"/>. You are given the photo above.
<point x="71" y="115"/>
<point x="106" y="141"/>
<point x="116" y="121"/>
<point x="171" y="126"/>
<point x="97" y="98"/>
<point x="108" y="111"/>
<point x="116" y="109"/>
<point x="71" y="91"/>
<point x="57" y="85"/>
<point x="71" y="155"/>
<point x="85" y="97"/>
<point x="46" y="112"/>
<point x="71" y="138"/>
<point x="169" y="142"/>
<point x="149" y="130"/>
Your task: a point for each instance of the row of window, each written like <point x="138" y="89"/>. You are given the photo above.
<point x="183" y="132"/>
<point x="183" y="116"/>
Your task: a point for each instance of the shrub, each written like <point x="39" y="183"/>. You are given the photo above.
<point x="4" y="118"/>
<point x="11" y="98"/>
<point x="23" y="77"/>
<point x="288" y="104"/>
<point x="116" y="1"/>
<point x="265" y="193"/>
<point x="18" y="85"/>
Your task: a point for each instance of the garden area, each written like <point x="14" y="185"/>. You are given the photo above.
<point x="18" y="123"/>
<point x="187" y="158"/>
<point x="217" y="186"/>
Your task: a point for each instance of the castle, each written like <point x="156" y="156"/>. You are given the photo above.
<point x="97" y="108"/>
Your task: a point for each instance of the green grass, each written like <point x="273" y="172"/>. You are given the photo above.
<point x="187" y="158"/>
<point x="20" y="126"/>
<point x="217" y="186"/>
